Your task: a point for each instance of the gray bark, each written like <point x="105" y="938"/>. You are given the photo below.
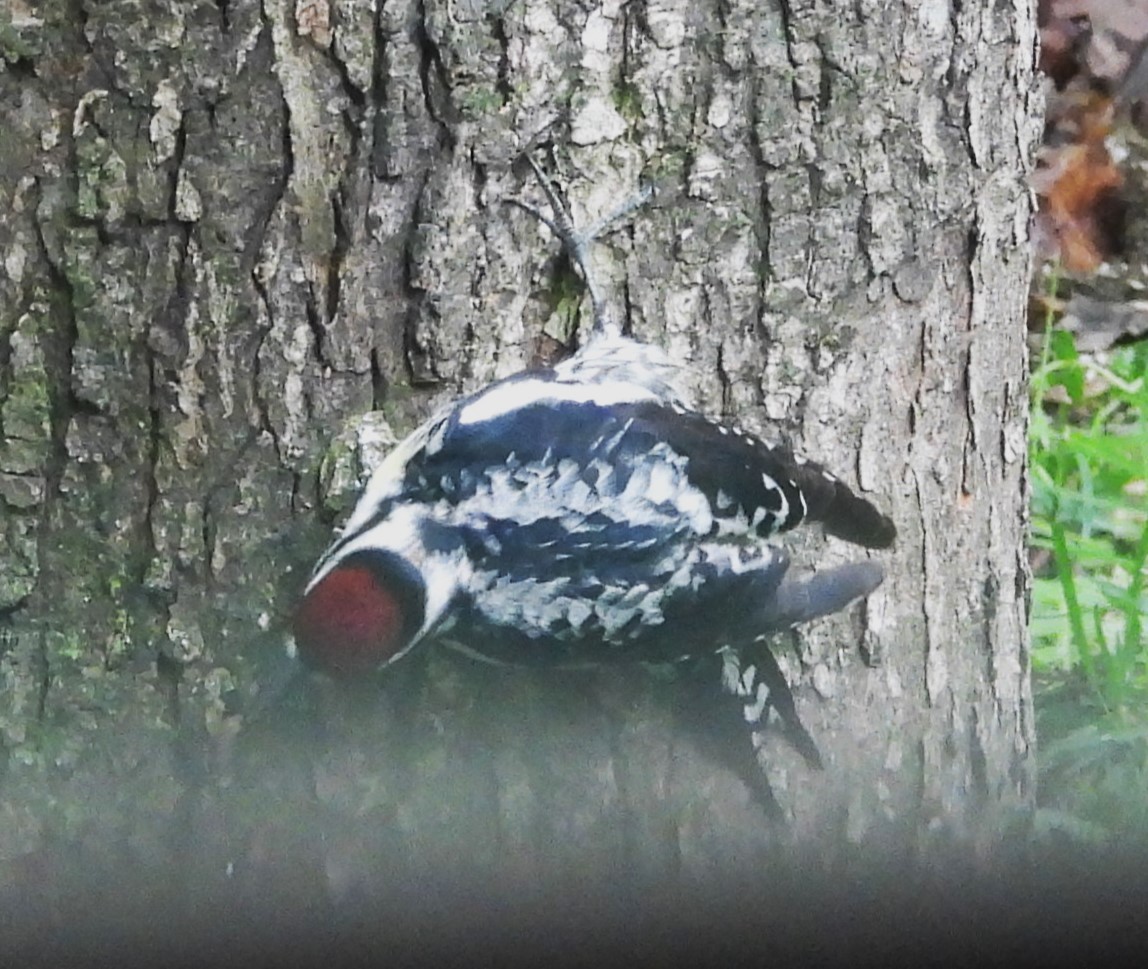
<point x="230" y="230"/>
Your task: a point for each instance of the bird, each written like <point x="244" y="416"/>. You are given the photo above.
<point x="586" y="514"/>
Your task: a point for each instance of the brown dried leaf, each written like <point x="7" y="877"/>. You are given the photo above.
<point x="1080" y="213"/>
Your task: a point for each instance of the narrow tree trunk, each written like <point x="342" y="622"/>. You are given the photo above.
<point x="233" y="229"/>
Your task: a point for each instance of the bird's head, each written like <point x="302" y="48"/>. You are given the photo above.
<point x="360" y="614"/>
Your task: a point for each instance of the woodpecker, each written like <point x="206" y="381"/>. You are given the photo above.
<point x="587" y="514"/>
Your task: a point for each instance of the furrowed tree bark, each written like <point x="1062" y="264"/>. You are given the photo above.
<point x="231" y="230"/>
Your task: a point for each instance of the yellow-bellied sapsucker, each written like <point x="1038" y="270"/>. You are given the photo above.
<point x="588" y="514"/>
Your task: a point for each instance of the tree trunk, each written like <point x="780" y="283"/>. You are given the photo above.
<point x="232" y="229"/>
